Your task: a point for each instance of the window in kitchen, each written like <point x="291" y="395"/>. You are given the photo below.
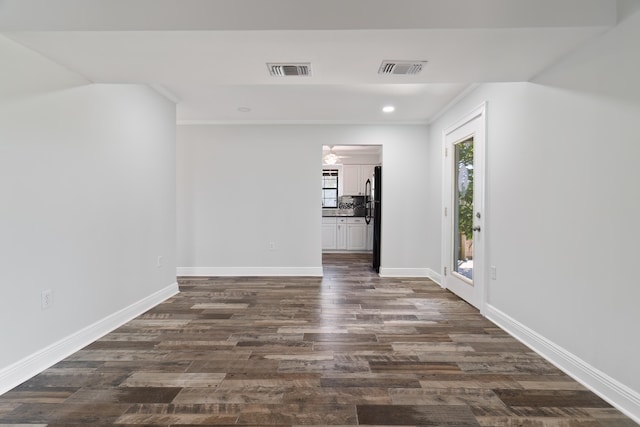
<point x="329" y="188"/>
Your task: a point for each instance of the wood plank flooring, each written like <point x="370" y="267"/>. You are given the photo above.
<point x="348" y="349"/>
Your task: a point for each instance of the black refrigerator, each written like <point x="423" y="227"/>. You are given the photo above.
<point x="374" y="213"/>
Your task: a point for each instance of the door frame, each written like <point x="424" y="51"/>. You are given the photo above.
<point x="480" y="283"/>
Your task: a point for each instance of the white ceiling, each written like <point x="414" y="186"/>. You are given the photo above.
<point x="210" y="55"/>
<point x="354" y="154"/>
<point x="345" y="150"/>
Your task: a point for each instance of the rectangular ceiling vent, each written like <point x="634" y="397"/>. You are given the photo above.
<point x="283" y="70"/>
<point x="401" y="67"/>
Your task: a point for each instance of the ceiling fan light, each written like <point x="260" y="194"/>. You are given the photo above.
<point x="330" y="159"/>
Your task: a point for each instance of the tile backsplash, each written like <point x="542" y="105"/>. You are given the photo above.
<point x="351" y="202"/>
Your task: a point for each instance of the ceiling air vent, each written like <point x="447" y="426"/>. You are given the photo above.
<point x="282" y="70"/>
<point x="401" y="67"/>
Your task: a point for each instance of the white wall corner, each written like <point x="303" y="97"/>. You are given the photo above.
<point x="614" y="392"/>
<point x="15" y="374"/>
<point x="249" y="271"/>
<point x="162" y="90"/>
<point x="404" y="272"/>
<point x="436" y="277"/>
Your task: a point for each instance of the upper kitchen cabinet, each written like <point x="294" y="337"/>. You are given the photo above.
<point x="354" y="179"/>
<point x="351" y="180"/>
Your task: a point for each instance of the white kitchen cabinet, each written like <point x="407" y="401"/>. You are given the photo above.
<point x="341" y="234"/>
<point x="329" y="233"/>
<point x="356" y="234"/>
<point x="351" y="180"/>
<point x="344" y="234"/>
<point x="354" y="178"/>
<point x="370" y="236"/>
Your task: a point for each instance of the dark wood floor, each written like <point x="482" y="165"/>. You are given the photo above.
<point x="347" y="349"/>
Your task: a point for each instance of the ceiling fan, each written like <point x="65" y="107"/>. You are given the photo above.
<point x="331" y="158"/>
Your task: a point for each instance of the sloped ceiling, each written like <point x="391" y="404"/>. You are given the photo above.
<point x="211" y="55"/>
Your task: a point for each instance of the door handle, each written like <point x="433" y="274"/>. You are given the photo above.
<point x="476" y="228"/>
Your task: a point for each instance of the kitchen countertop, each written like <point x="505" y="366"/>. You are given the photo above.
<point x="341" y="213"/>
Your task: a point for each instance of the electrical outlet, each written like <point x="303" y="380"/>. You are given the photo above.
<point x="272" y="246"/>
<point x="494" y="272"/>
<point x="159" y="262"/>
<point x="46" y="299"/>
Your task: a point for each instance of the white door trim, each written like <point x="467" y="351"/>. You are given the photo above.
<point x="480" y="137"/>
<point x="476" y="112"/>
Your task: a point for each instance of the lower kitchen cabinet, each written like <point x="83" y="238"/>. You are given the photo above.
<point x="344" y="234"/>
<point x="341" y="234"/>
<point x="329" y="235"/>
<point x="356" y="234"/>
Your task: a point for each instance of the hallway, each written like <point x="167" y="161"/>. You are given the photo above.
<point x="350" y="348"/>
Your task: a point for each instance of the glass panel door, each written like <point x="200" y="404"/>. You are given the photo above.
<point x="463" y="210"/>
<point x="463" y="174"/>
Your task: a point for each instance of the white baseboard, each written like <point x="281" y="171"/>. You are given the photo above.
<point x="249" y="271"/>
<point x="613" y="391"/>
<point x="404" y="272"/>
<point x="433" y="275"/>
<point x="19" y="372"/>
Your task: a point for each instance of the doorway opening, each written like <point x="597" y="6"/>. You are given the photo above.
<point x="351" y="201"/>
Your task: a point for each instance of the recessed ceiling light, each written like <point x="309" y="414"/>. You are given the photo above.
<point x="244" y="109"/>
<point x="389" y="109"/>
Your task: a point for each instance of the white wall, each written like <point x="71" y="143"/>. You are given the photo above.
<point x="241" y="187"/>
<point x="435" y="210"/>
<point x="87" y="190"/>
<point x="562" y="207"/>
